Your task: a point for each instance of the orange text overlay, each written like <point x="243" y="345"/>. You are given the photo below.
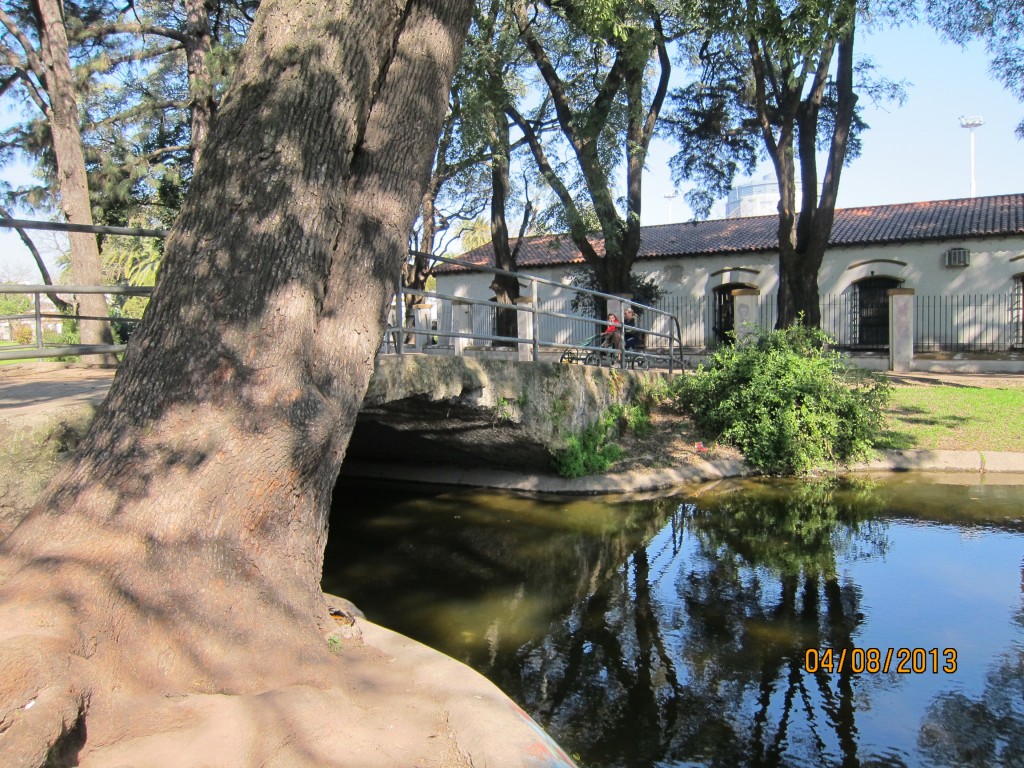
<point x="902" y="661"/>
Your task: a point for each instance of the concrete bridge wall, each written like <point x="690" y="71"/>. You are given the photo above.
<point x="427" y="409"/>
<point x="419" y="409"/>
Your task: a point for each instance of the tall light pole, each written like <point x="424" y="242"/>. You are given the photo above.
<point x="670" y="198"/>
<point x="970" y="123"/>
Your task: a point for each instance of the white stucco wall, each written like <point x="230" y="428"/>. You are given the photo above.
<point x="994" y="264"/>
<point x="996" y="267"/>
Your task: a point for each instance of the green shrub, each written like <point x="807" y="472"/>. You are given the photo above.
<point x="787" y="401"/>
<point x="634" y="418"/>
<point x="587" y="453"/>
<point x="591" y="451"/>
<point x="23" y="334"/>
<point x="68" y="336"/>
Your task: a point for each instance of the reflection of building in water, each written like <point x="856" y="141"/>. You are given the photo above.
<point x="756" y="198"/>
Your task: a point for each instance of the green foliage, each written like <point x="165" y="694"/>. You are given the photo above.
<point x="136" y="95"/>
<point x="14" y="304"/>
<point x="643" y="287"/>
<point x="787" y="401"/>
<point x="69" y="336"/>
<point x="587" y="453"/>
<point x="651" y="393"/>
<point x="22" y="334"/>
<point x="635" y="418"/>
<point x="592" y="451"/>
<point x="717" y="119"/>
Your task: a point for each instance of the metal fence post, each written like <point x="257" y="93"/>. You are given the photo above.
<point x="421" y="323"/>
<point x="535" y="305"/>
<point x="400" y="314"/>
<point x="39" y="323"/>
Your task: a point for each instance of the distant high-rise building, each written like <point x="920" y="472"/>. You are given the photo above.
<point x="756" y="198"/>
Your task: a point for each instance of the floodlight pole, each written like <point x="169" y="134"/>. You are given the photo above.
<point x="970" y="123"/>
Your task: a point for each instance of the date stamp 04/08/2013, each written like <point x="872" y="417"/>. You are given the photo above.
<point x="902" y="661"/>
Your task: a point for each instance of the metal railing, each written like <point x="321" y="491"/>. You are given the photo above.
<point x="548" y="326"/>
<point x="981" y="323"/>
<point x="954" y="323"/>
<point x="971" y="323"/>
<point x="40" y="317"/>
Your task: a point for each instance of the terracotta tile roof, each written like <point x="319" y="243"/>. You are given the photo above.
<point x="979" y="217"/>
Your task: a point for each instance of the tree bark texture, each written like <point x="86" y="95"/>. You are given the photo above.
<point x="506" y="287"/>
<point x="186" y="538"/>
<point x="72" y="182"/>
<point x="199" y="44"/>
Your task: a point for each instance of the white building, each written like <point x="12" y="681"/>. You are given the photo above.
<point x="756" y="198"/>
<point x="963" y="258"/>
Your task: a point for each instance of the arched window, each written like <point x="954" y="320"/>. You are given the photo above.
<point x="870" y="312"/>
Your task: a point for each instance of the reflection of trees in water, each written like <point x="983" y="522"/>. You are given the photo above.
<point x="466" y="550"/>
<point x="694" y="649"/>
<point x="978" y="733"/>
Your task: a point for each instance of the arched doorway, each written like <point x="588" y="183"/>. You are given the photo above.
<point x="871" y="311"/>
<point x="723" y="318"/>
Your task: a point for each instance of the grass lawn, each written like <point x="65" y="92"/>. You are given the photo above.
<point x="3" y="345"/>
<point x="955" y="418"/>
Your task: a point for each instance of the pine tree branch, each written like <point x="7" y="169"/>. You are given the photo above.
<point x="106" y="30"/>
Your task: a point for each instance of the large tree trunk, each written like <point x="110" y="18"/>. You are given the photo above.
<point x="804" y="236"/>
<point x="181" y="551"/>
<point x="72" y="182"/>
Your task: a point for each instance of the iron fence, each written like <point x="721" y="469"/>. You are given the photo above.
<point x="983" y="323"/>
<point x="968" y="323"/>
<point x="553" y="327"/>
<point x="975" y="323"/>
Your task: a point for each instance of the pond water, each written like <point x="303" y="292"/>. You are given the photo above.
<point x="740" y="624"/>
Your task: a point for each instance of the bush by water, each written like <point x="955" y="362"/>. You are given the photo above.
<point x="787" y="401"/>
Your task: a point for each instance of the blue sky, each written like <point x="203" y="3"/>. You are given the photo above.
<point x="915" y="152"/>
<point x="912" y="153"/>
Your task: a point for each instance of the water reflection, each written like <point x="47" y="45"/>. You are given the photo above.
<point x="673" y="632"/>
<point x="960" y="730"/>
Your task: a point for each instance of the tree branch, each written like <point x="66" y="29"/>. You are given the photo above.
<point x="141" y="109"/>
<point x="577" y="228"/>
<point x="33" y="60"/>
<point x="105" y="30"/>
<point x="20" y="73"/>
<point x="58" y="302"/>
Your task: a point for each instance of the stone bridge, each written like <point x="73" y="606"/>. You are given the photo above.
<point x="419" y="409"/>
<point x="427" y="409"/>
